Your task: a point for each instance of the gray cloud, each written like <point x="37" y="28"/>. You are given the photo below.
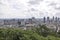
<point x="57" y="14"/>
<point x="57" y="8"/>
<point x="33" y="9"/>
<point x="52" y="4"/>
<point x="2" y="3"/>
<point x="16" y="6"/>
<point x="55" y="5"/>
<point x="33" y="2"/>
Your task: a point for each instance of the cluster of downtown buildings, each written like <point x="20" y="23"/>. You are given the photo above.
<point x="29" y="23"/>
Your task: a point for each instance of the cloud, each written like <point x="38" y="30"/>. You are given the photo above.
<point x="34" y="2"/>
<point x="11" y="9"/>
<point x="28" y="8"/>
<point x="52" y="4"/>
<point x="57" y="14"/>
<point x="33" y="9"/>
<point x="57" y="7"/>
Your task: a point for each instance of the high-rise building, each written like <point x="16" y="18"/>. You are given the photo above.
<point x="44" y="19"/>
<point x="53" y="18"/>
<point x="48" y="19"/>
<point x="56" y="19"/>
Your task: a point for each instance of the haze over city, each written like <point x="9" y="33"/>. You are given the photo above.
<point x="29" y="8"/>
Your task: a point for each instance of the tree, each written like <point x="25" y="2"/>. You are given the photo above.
<point x="43" y="30"/>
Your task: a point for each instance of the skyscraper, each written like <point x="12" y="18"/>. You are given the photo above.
<point x="44" y="19"/>
<point x="48" y="20"/>
<point x="56" y="19"/>
<point x="53" y="18"/>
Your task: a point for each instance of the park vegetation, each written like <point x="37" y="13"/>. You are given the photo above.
<point x="40" y="33"/>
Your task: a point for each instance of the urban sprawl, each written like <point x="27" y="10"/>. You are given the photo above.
<point x="30" y="23"/>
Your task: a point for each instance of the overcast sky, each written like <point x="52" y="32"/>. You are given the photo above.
<point x="29" y="8"/>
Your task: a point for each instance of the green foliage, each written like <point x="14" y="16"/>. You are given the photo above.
<point x="43" y="30"/>
<point x="41" y="33"/>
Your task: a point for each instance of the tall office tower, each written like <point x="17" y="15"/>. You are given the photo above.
<point x="56" y="19"/>
<point x="48" y="20"/>
<point x="53" y="18"/>
<point x="33" y="19"/>
<point x="59" y="20"/>
<point x="30" y="20"/>
<point x="44" y="19"/>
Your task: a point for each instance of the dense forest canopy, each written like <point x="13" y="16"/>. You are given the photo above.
<point x="41" y="33"/>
